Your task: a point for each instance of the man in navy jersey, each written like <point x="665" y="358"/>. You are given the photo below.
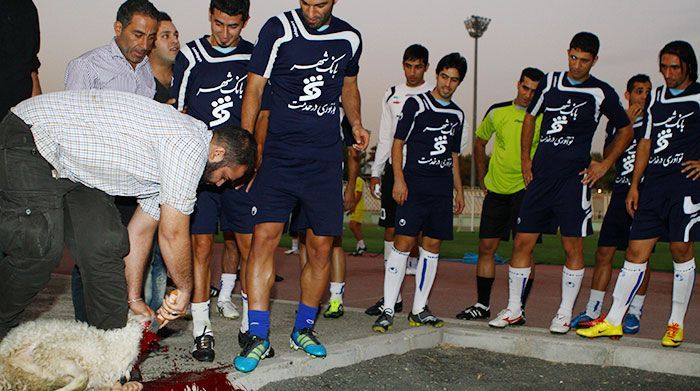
<point x="311" y="60"/>
<point x="208" y="83"/>
<point x="430" y="126"/>
<point x="668" y="157"/>
<point x="559" y="175"/>
<point x="614" y="234"/>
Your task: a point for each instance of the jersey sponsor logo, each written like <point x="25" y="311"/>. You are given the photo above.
<point x="674" y="122"/>
<point x="221" y="105"/>
<point x="668" y="160"/>
<point x="440" y="143"/>
<point x="328" y="66"/>
<point x="567" y="113"/>
<point x="312" y="88"/>
<point x="627" y="164"/>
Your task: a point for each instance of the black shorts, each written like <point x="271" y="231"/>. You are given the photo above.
<point x="499" y="215"/>
<point x="387" y="214"/>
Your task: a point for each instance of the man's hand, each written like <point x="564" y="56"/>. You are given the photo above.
<point x="527" y="171"/>
<point x="375" y="187"/>
<point x="140" y="308"/>
<point x="482" y="186"/>
<point x="400" y="191"/>
<point x="361" y="137"/>
<point x="632" y="200"/>
<point x="634" y="111"/>
<point x="595" y="171"/>
<point x="349" y="198"/>
<point x="173" y="307"/>
<point x="459" y="202"/>
<point x="691" y="168"/>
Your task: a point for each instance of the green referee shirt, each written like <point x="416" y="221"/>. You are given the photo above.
<point x="505" y="120"/>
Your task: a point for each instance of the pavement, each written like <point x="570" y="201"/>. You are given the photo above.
<point x="350" y="340"/>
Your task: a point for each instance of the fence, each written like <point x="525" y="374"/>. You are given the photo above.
<point x="469" y="219"/>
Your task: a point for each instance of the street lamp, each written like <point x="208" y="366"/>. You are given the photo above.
<point x="476" y="26"/>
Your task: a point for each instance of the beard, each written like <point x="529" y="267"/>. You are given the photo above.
<point x="209" y="170"/>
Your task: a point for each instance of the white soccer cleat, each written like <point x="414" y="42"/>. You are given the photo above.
<point x="505" y="318"/>
<point x="411" y="266"/>
<point x="227" y="309"/>
<point x="560" y="324"/>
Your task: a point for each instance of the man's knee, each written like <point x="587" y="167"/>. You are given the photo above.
<point x="202" y="247"/>
<point x="488" y="247"/>
<point x="681" y="251"/>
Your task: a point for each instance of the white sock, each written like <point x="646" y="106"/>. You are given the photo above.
<point x="570" y="285"/>
<point x="683" y="282"/>
<point x="244" y="313"/>
<point x="595" y="303"/>
<point x="387" y="251"/>
<point x="360" y="244"/>
<point x="200" y="319"/>
<point x="412" y="262"/>
<point x="226" y="285"/>
<point x="517" y="278"/>
<point x="628" y="282"/>
<point x="337" y="289"/>
<point x="425" y="276"/>
<point x="295" y="244"/>
<point x="393" y="277"/>
<point x="636" y="305"/>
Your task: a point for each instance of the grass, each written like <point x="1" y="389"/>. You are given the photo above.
<point x="549" y="252"/>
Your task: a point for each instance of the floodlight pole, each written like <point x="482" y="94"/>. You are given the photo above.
<point x="476" y="27"/>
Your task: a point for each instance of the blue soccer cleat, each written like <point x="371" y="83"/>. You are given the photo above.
<point x="581" y="321"/>
<point x="256" y="349"/>
<point x="630" y="325"/>
<point x="306" y="340"/>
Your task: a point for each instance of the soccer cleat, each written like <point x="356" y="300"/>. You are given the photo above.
<point x="581" y="321"/>
<point x="602" y="329"/>
<point x="505" y="318"/>
<point x="213" y="291"/>
<point x="424" y="318"/>
<point x="560" y="324"/>
<point x="477" y="311"/>
<point x="630" y="325"/>
<point x="384" y="323"/>
<point x="203" y="349"/>
<point x="243" y="338"/>
<point x="227" y="309"/>
<point x="305" y="339"/>
<point x="256" y="349"/>
<point x="673" y="337"/>
<point x="377" y="308"/>
<point x="334" y="310"/>
<point x="359" y="251"/>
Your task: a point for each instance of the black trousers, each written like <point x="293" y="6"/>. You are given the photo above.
<point x="38" y="215"/>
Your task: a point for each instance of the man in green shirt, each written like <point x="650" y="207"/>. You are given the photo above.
<point x="503" y="185"/>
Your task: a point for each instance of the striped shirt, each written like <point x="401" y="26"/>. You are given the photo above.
<point x="106" y="68"/>
<point x="122" y="144"/>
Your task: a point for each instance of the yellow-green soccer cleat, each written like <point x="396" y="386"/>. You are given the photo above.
<point x="334" y="310"/>
<point x="673" y="337"/>
<point x="602" y="329"/>
<point x="424" y="318"/>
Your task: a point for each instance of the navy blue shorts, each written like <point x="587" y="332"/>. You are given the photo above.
<point x="315" y="186"/>
<point x="615" y="231"/>
<point x="224" y="208"/>
<point x="551" y="203"/>
<point x="672" y="215"/>
<point x="429" y="214"/>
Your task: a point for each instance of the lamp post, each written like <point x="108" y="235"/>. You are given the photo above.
<point x="476" y="26"/>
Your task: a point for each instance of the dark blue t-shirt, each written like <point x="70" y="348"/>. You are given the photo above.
<point x="625" y="164"/>
<point x="571" y="114"/>
<point x="672" y="123"/>
<point x="209" y="83"/>
<point x="306" y="69"/>
<point x="432" y="133"/>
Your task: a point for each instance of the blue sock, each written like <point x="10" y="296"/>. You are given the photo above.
<point x="306" y="317"/>
<point x="259" y="323"/>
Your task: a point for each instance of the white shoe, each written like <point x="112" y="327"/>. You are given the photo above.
<point x="560" y="324"/>
<point x="292" y="251"/>
<point x="506" y="318"/>
<point x="411" y="266"/>
<point x="227" y="309"/>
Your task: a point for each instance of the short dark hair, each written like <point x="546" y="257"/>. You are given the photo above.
<point x="231" y="7"/>
<point x="685" y="53"/>
<point x="453" y="60"/>
<point x="163" y="17"/>
<point x="416" y="52"/>
<point x="130" y="7"/>
<point x="639" y="78"/>
<point x="533" y="74"/>
<point x="240" y="146"/>
<point x="585" y="41"/>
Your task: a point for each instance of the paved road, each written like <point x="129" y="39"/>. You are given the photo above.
<point x="449" y="368"/>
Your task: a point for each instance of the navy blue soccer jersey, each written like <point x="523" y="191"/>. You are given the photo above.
<point x="571" y="114"/>
<point x="306" y="69"/>
<point x="672" y="123"/>
<point x="625" y="164"/>
<point x="209" y="83"/>
<point x="432" y="133"/>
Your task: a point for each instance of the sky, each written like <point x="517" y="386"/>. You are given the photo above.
<point x="521" y="34"/>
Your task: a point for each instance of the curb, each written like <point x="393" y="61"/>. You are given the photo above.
<point x="635" y="353"/>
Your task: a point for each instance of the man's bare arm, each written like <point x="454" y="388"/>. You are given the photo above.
<point x="351" y="106"/>
<point x="255" y="85"/>
<point x="528" y="132"/>
<point x="176" y="248"/>
<point x="141" y="229"/>
<point x="349" y="198"/>
<point x="480" y="159"/>
<point x="36" y="85"/>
